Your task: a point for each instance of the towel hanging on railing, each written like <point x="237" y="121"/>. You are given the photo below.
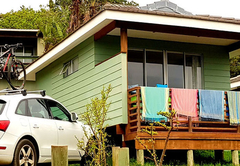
<point x="234" y="107"/>
<point x="211" y="104"/>
<point x="184" y="101"/>
<point x="154" y="100"/>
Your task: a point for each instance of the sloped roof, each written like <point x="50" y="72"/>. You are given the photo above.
<point x="165" y="6"/>
<point x="135" y="9"/>
<point x="111" y="12"/>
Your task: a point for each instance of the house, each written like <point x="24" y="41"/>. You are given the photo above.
<point x="235" y="83"/>
<point x="125" y="46"/>
<point x="32" y="46"/>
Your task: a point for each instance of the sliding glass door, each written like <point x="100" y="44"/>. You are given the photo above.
<point x="176" y="69"/>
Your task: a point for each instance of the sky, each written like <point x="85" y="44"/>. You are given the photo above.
<point x="229" y="8"/>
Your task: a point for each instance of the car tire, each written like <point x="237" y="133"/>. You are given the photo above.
<point x="25" y="153"/>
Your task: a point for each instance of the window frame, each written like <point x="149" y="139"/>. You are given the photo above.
<point x="165" y="65"/>
<point x="65" y="111"/>
<point x="70" y="65"/>
<point x="29" y="113"/>
<point x="1" y="110"/>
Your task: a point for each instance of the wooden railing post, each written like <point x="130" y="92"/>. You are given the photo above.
<point x="138" y="110"/>
<point x="189" y="124"/>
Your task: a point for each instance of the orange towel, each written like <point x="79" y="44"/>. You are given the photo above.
<point x="184" y="101"/>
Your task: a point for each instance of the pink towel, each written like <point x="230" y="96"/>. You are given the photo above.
<point x="184" y="101"/>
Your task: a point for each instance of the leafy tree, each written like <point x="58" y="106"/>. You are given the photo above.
<point x="56" y="20"/>
<point x="235" y="66"/>
<point x="83" y="10"/>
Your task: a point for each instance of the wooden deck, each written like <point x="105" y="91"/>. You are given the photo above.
<point x="190" y="134"/>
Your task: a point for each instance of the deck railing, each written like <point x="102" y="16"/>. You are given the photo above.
<point x="135" y="122"/>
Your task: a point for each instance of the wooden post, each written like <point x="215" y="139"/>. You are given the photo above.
<point x="124" y="40"/>
<point x="115" y="155"/>
<point x="59" y="155"/>
<point x="235" y="158"/>
<point x="190" y="159"/>
<point x="190" y="124"/>
<point x="123" y="158"/>
<point x="219" y="155"/>
<point x="140" y="156"/>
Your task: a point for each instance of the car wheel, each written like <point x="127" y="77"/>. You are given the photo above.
<point x="25" y="154"/>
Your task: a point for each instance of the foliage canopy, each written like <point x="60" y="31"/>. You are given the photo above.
<point x="57" y="19"/>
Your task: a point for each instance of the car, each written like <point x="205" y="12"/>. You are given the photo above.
<point x="31" y="123"/>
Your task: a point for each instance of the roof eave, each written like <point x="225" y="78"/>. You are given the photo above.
<point x="107" y="15"/>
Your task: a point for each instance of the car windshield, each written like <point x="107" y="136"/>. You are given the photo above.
<point x="2" y="105"/>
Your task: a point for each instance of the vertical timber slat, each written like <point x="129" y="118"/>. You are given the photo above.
<point x="124" y="40"/>
<point x="138" y="111"/>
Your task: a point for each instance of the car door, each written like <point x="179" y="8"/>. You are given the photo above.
<point x="68" y="131"/>
<point x="43" y="128"/>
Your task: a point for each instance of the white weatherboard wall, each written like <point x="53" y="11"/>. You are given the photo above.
<point x="77" y="90"/>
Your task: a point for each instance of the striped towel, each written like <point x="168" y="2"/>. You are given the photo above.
<point x="154" y="100"/>
<point x="184" y="101"/>
<point x="211" y="104"/>
<point x="234" y="107"/>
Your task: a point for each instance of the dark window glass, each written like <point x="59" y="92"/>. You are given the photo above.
<point x="21" y="109"/>
<point x="135" y="67"/>
<point x="175" y="70"/>
<point x="38" y="108"/>
<point x="154" y="68"/>
<point x="193" y="72"/>
<point x="2" y="105"/>
<point x="58" y="111"/>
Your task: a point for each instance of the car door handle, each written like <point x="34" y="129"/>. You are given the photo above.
<point x="60" y="128"/>
<point x="35" y="126"/>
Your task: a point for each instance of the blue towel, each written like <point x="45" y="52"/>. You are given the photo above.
<point x="234" y="107"/>
<point x="154" y="100"/>
<point x="211" y="104"/>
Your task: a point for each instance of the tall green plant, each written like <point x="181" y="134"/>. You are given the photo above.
<point x="95" y="117"/>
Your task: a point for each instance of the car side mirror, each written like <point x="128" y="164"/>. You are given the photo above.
<point x="74" y="117"/>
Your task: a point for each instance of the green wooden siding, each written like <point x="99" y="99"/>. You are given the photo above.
<point x="216" y="69"/>
<point x="76" y="90"/>
<point x="106" y="47"/>
<point x="29" y="85"/>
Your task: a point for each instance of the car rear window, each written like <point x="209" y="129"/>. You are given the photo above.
<point x="2" y="105"/>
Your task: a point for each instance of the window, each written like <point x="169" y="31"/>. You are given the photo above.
<point x="38" y="108"/>
<point x="176" y="69"/>
<point x="24" y="54"/>
<point x="154" y="68"/>
<point x="58" y="111"/>
<point x="21" y="109"/>
<point x="2" y="105"/>
<point x="135" y="68"/>
<point x="70" y="67"/>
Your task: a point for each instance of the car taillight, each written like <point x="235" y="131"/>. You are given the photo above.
<point x="4" y="124"/>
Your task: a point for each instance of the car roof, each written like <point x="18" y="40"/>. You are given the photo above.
<point x="12" y="96"/>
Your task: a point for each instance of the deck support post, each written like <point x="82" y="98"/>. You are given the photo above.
<point x="140" y="156"/>
<point x="190" y="159"/>
<point x="219" y="155"/>
<point x="235" y="158"/>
